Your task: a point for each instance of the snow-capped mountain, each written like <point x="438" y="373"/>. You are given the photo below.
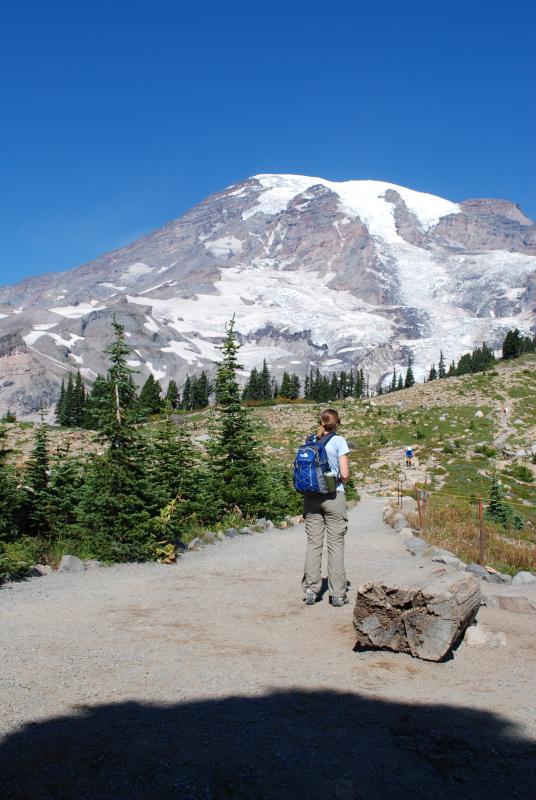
<point x="318" y="273"/>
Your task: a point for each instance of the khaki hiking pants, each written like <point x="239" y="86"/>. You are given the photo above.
<point x="325" y="516"/>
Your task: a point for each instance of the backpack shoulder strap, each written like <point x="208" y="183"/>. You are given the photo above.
<point x="325" y="439"/>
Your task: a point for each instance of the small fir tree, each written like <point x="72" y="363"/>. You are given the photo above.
<point x="441" y="370"/>
<point x="150" y="400"/>
<point x="172" y="398"/>
<point x="410" y="377"/>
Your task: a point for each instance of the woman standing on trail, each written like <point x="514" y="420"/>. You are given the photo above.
<point x="326" y="516"/>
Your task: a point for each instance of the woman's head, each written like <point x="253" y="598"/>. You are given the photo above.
<point x="329" y="419"/>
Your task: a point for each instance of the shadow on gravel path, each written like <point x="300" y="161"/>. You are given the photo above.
<point x="285" y="745"/>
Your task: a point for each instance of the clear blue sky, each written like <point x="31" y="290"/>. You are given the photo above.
<point x="118" y="116"/>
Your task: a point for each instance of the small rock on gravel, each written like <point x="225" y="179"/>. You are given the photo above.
<point x="195" y="544"/>
<point x="416" y="546"/>
<point x="230" y="532"/>
<point x="91" y="563"/>
<point x="490" y="577"/>
<point x="523" y="578"/>
<point x="70" y="564"/>
<point x="517" y="605"/>
<point x="38" y="570"/>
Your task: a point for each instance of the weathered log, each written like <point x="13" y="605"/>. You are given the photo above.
<point x="424" y="619"/>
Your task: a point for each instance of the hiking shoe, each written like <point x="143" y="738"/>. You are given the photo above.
<point x="310" y="597"/>
<point x="339" y="601"/>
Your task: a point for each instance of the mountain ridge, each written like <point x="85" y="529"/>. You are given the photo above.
<point x="318" y="273"/>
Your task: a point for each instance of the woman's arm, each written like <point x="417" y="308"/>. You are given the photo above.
<point x="344" y="469"/>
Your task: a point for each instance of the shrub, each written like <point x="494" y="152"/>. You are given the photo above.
<point x="522" y="473"/>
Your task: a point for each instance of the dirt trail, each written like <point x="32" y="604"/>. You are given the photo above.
<point x="222" y="684"/>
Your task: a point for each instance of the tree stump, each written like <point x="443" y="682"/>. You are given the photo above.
<point x="425" y="620"/>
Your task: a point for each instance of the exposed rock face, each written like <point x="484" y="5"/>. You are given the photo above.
<point x="318" y="273"/>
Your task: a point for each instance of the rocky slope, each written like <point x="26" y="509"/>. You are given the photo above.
<point x="317" y="273"/>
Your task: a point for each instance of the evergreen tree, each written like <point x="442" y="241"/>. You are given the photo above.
<point x="410" y="377"/>
<point x="66" y="418"/>
<point x="116" y="501"/>
<point x="10" y="496"/>
<point x="150" y="400"/>
<point x="441" y="371"/>
<point x="432" y="375"/>
<point x="200" y="391"/>
<point x="452" y="370"/>
<point x="285" y="385"/>
<point x="97" y="405"/>
<point x="186" y="402"/>
<point x="334" y="388"/>
<point x="172" y="395"/>
<point x="36" y="510"/>
<point x="400" y="384"/>
<point x="66" y="480"/>
<point x="265" y="380"/>
<point x="59" y="405"/>
<point x="294" y="387"/>
<point x="392" y="386"/>
<point x="379" y="387"/>
<point x="239" y="478"/>
<point x="499" y="510"/>
<point x="307" y="388"/>
<point x="174" y="475"/>
<point x="79" y="401"/>
<point x="511" y="347"/>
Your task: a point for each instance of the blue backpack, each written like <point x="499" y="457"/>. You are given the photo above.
<point x="310" y="464"/>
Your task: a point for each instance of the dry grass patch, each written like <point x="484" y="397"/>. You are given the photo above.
<point x="455" y="527"/>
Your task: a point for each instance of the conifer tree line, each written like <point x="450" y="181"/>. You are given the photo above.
<point x="148" y="487"/>
<point x="515" y="344"/>
<point x="398" y="382"/>
<point x="78" y="407"/>
<point x="482" y="358"/>
<point x="318" y="387"/>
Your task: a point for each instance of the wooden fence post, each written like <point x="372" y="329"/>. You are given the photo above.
<point x="481" y="538"/>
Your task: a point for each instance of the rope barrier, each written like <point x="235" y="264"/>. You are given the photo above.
<point x="473" y="497"/>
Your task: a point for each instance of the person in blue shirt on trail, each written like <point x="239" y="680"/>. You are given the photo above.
<point x="326" y="516"/>
<point x="409" y="455"/>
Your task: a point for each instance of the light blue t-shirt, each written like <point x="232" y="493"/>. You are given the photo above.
<point x="336" y="447"/>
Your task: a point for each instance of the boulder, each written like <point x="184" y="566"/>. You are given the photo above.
<point x="522" y="578"/>
<point x="245" y="531"/>
<point x="447" y="558"/>
<point x="91" y="563"/>
<point x="70" y="564"/>
<point x="517" y="604"/>
<point x="209" y="537"/>
<point x="416" y="546"/>
<point x="477" y="636"/>
<point x="195" y="544"/>
<point x="38" y="570"/>
<point x="230" y="532"/>
<point x="483" y="574"/>
<point x="479" y="414"/>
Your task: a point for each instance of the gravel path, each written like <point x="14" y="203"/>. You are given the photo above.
<point x="211" y="679"/>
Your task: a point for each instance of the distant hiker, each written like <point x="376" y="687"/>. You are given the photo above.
<point x="409" y="455"/>
<point x="320" y="471"/>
